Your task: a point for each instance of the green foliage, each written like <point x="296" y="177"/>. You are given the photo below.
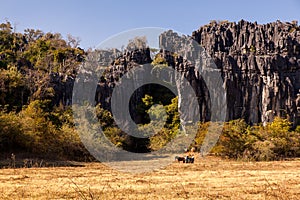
<point x="202" y="132"/>
<point x="27" y="60"/>
<point x="297" y="129"/>
<point x="11" y="135"/>
<point x="234" y="138"/>
<point x="115" y="135"/>
<point x="163" y="133"/>
<point x="35" y="130"/>
<point x="170" y="129"/>
<point x="279" y="126"/>
<point x="112" y="132"/>
<point x="148" y="100"/>
<point x="284" y="143"/>
<point x="252" y="49"/>
<point x="173" y="120"/>
<point x="12" y="87"/>
<point x="29" y="122"/>
<point x="159" y="60"/>
<point x="105" y="117"/>
<point x="36" y="126"/>
<point x="241" y="141"/>
<point x="160" y="139"/>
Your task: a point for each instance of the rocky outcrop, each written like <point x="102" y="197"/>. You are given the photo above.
<point x="115" y="71"/>
<point x="63" y="87"/>
<point x="260" y="66"/>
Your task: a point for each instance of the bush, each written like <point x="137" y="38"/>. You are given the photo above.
<point x="274" y="141"/>
<point x="11" y="135"/>
<point x="115" y="135"/>
<point x="235" y="139"/>
<point x="159" y="60"/>
<point x="160" y="139"/>
<point x="263" y="151"/>
<point x="35" y="130"/>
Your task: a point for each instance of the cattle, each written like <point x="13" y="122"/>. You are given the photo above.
<point x="189" y="156"/>
<point x="179" y="158"/>
<point x="186" y="159"/>
<point x="189" y="159"/>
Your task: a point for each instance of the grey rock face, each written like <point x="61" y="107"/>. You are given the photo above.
<point x="260" y="66"/>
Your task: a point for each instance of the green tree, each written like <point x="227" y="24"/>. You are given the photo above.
<point x="12" y="88"/>
<point x="11" y="134"/>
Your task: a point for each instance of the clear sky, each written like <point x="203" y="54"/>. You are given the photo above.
<point x="94" y="21"/>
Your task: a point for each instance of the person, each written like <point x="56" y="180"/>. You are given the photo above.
<point x="190" y="157"/>
<point x="13" y="160"/>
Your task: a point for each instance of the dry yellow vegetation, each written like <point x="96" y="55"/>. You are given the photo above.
<point x="207" y="178"/>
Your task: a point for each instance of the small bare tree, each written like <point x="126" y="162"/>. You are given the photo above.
<point x="138" y="42"/>
<point x="73" y="41"/>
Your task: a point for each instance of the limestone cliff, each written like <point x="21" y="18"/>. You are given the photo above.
<point x="260" y="67"/>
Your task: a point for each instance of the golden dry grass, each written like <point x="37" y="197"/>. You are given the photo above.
<point x="208" y="178"/>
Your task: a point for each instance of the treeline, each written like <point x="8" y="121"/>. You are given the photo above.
<point x="31" y="121"/>
<point x="27" y="61"/>
<point x="42" y="132"/>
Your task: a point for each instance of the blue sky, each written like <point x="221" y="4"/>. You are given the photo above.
<point x="94" y="21"/>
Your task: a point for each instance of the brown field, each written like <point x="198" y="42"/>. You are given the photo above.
<point x="208" y="178"/>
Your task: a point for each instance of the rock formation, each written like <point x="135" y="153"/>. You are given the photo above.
<point x="259" y="64"/>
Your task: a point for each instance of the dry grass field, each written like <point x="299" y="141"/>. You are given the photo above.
<point x="208" y="178"/>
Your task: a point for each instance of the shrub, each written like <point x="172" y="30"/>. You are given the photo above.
<point x="160" y="139"/>
<point x="11" y="135"/>
<point x="159" y="60"/>
<point x="263" y="150"/>
<point x="297" y="129"/>
<point x="261" y="143"/>
<point x="234" y="138"/>
<point x="115" y="135"/>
